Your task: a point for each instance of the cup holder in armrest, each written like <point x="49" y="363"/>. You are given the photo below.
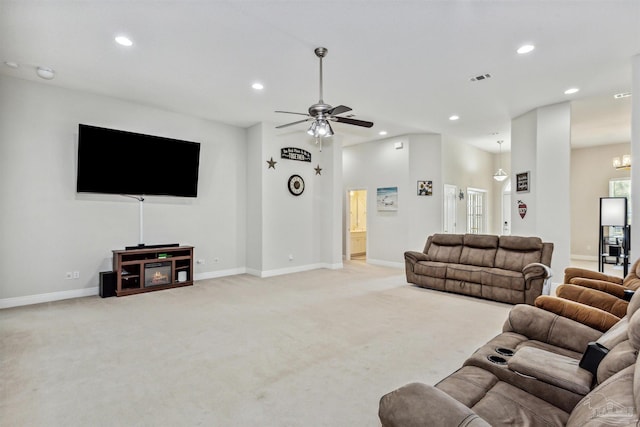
<point x="505" y="351"/>
<point x="497" y="360"/>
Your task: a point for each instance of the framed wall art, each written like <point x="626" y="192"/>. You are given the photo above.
<point x="387" y="199"/>
<point x="425" y="188"/>
<point x="523" y="182"/>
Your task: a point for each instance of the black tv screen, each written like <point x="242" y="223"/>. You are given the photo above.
<point x="118" y="162"/>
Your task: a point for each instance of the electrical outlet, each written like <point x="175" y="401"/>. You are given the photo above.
<point x="216" y="259"/>
<point x="200" y="261"/>
<point x="290" y="257"/>
<point x="68" y="275"/>
<point x="76" y="274"/>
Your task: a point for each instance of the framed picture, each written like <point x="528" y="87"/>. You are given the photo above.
<point x="425" y="188"/>
<point x="522" y="182"/>
<point x="387" y="199"/>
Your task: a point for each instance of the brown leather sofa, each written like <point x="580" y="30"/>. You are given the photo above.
<point x="539" y="384"/>
<point x="510" y="269"/>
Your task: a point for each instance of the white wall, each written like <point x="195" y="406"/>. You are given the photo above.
<point x="48" y="229"/>
<point x="635" y="156"/>
<point x="282" y="226"/>
<point x="378" y="164"/>
<point x="541" y="144"/>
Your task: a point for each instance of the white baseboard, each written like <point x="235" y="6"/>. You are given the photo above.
<point x="385" y="263"/>
<point x="48" y="297"/>
<point x="585" y="258"/>
<point x="220" y="273"/>
<point x="297" y="269"/>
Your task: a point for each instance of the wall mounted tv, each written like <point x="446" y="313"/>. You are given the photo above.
<point x="118" y="162"/>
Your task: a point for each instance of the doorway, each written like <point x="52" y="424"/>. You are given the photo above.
<point x="358" y="225"/>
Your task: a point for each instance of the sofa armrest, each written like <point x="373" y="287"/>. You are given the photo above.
<point x="600" y="285"/>
<point x="535" y="270"/>
<point x="414" y="256"/>
<point x="545" y="326"/>
<point x="587" y="315"/>
<point x="571" y="272"/>
<point x="551" y="368"/>
<point x="419" y="405"/>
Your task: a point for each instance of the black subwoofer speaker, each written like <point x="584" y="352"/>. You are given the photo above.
<point x="107" y="284"/>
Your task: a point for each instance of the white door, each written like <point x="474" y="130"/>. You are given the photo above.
<point x="450" y="212"/>
<point x="506" y="208"/>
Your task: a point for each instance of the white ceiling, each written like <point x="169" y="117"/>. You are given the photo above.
<point x="406" y="65"/>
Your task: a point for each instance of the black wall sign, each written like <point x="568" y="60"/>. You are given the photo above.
<point x="293" y="153"/>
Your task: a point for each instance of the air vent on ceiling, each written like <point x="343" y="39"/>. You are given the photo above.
<point x="480" y="77"/>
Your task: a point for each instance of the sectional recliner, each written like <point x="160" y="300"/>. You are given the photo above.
<point x="530" y="374"/>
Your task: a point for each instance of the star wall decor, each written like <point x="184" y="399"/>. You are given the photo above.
<point x="272" y="163"/>
<point x="318" y="169"/>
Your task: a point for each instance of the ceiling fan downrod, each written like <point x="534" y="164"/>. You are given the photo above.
<point x="321" y="52"/>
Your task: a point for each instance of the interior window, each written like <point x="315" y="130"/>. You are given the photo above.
<point x="476" y="215"/>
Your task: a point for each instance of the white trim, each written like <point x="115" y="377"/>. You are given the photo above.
<point x="48" y="297"/>
<point x="220" y="273"/>
<point x="385" y="263"/>
<point x="298" y="269"/>
<point x="585" y="258"/>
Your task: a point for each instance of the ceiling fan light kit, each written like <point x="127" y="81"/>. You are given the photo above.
<point x="321" y="114"/>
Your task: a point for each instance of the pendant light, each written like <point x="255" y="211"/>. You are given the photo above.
<point x="500" y="175"/>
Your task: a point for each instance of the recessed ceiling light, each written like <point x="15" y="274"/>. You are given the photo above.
<point x="257" y="86"/>
<point x="454" y="117"/>
<point x="11" y="64"/>
<point x="45" y="73"/>
<point x="525" y="49"/>
<point x="124" y="41"/>
<point x="622" y="95"/>
<point x="382" y="132"/>
<point x="571" y="91"/>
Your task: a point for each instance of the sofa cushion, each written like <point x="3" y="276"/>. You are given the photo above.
<point x="445" y="248"/>
<point x="497" y="402"/>
<point x="620" y="357"/>
<point x="431" y="268"/>
<point x="611" y="403"/>
<point x="515" y="252"/>
<point x="501" y="278"/>
<point x="479" y="249"/>
<point x="465" y="273"/>
<point x="587" y="315"/>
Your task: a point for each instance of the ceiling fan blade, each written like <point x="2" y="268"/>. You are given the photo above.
<point x="349" y="121"/>
<point x="291" y="112"/>
<point x="291" y="124"/>
<point x="339" y="110"/>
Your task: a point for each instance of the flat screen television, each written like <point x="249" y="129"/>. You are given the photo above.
<point x="117" y="162"/>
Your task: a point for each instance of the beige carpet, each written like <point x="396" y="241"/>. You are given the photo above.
<point x="317" y="348"/>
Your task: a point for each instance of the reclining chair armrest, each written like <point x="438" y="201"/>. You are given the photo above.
<point x="535" y="270"/>
<point x="541" y="325"/>
<point x="415" y="256"/>
<point x="571" y="272"/>
<point x="600" y="285"/>
<point x="419" y="405"/>
<point x="593" y="317"/>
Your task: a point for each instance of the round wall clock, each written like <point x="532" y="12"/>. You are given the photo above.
<point x="296" y="185"/>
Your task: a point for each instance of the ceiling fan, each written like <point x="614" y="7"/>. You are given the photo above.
<point x="321" y="114"/>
